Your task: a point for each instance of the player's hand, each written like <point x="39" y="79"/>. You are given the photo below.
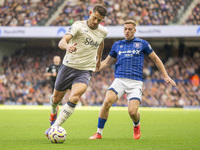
<point x="54" y="74"/>
<point x="169" y="80"/>
<point x="72" y="48"/>
<point x="98" y="65"/>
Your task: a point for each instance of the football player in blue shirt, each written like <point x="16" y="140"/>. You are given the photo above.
<point x="130" y="54"/>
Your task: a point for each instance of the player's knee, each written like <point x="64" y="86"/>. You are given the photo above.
<point x="56" y="99"/>
<point x="74" y="98"/>
<point x="107" y="104"/>
<point x="133" y="113"/>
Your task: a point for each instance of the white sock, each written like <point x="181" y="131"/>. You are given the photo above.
<point x="99" y="130"/>
<point x="64" y="114"/>
<point x="53" y="106"/>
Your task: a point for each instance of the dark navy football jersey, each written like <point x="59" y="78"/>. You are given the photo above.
<point x="52" y="69"/>
<point x="130" y="57"/>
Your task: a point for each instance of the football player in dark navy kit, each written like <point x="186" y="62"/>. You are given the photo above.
<point x="52" y="71"/>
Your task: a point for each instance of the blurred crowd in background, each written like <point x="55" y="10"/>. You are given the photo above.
<point x="26" y="12"/>
<point x="23" y="80"/>
<point x="22" y="75"/>
<point x="194" y="17"/>
<point x="144" y="12"/>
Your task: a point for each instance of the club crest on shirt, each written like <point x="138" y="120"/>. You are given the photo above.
<point x="137" y="45"/>
<point x="69" y="30"/>
<point x="121" y="46"/>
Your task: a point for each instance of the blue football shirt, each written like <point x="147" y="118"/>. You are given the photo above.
<point x="130" y="58"/>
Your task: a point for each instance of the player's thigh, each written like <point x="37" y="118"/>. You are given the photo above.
<point x="118" y="87"/>
<point x="111" y="98"/>
<point x="134" y="95"/>
<point x="77" y="90"/>
<point x="58" y="96"/>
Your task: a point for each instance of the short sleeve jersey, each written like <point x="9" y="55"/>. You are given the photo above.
<point x="52" y="69"/>
<point x="130" y="57"/>
<point x="88" y="42"/>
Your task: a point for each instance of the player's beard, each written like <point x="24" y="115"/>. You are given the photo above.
<point x="91" y="25"/>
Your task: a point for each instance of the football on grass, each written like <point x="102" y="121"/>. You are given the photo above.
<point x="57" y="134"/>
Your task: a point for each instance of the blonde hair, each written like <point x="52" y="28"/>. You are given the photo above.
<point x="130" y="22"/>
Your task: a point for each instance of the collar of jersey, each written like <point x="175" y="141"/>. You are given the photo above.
<point x="129" y="40"/>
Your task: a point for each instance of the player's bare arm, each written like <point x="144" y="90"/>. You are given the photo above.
<point x="99" y="55"/>
<point x="106" y="63"/>
<point x="63" y="44"/>
<point x="161" y="67"/>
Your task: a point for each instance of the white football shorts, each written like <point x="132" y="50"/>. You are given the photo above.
<point x="132" y="88"/>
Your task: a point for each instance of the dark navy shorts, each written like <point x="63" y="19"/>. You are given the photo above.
<point x="68" y="76"/>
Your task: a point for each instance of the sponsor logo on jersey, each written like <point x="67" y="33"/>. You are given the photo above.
<point x="91" y="42"/>
<point x="129" y="53"/>
<point x="136" y="52"/>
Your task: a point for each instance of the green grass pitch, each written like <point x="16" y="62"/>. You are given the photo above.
<point x="22" y="128"/>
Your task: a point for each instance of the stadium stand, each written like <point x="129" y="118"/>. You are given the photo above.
<point x="194" y="17"/>
<point x="22" y="81"/>
<point x="144" y="12"/>
<point x="27" y="12"/>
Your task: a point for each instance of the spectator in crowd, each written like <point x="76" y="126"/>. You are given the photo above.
<point x="22" y="77"/>
<point x="144" y="12"/>
<point x="34" y="12"/>
<point x="26" y="12"/>
<point x="194" y="17"/>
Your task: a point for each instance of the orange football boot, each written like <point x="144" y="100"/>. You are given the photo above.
<point x="53" y="117"/>
<point x="136" y="134"/>
<point x="96" y="136"/>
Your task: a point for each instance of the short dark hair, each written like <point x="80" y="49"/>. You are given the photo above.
<point x="100" y="9"/>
